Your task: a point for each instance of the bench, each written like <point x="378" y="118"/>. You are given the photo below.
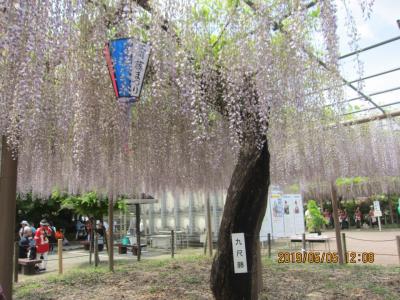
<point x="28" y="265"/>
<point x="311" y="240"/>
<point x="86" y="246"/>
<point x="122" y="249"/>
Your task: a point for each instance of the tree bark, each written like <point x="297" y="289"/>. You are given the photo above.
<point x="245" y="207"/>
<point x="8" y="185"/>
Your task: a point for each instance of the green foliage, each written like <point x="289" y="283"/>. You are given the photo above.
<point x="90" y="204"/>
<point x="314" y="220"/>
<point x="316" y="12"/>
<point x="294" y="188"/>
<point x="34" y="209"/>
<point x="349" y="181"/>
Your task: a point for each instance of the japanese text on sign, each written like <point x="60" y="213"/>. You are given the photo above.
<point x="377" y="209"/>
<point x="239" y="253"/>
<point x="140" y="56"/>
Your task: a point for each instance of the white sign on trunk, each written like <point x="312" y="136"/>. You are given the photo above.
<point x="239" y="253"/>
<point x="140" y="55"/>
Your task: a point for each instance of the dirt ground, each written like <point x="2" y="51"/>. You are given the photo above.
<point x="187" y="277"/>
<point x="381" y="243"/>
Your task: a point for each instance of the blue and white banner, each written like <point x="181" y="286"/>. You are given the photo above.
<point x="127" y="61"/>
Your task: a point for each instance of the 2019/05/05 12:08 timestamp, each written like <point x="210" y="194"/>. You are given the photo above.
<point x="325" y="257"/>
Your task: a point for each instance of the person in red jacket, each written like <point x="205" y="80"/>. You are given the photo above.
<point x="42" y="242"/>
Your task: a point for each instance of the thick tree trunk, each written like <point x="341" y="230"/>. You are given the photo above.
<point x="8" y="185"/>
<point x="244" y="211"/>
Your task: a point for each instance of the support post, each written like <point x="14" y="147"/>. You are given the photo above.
<point x="379" y="224"/>
<point x="16" y="256"/>
<point x="303" y="242"/>
<point x="60" y="258"/>
<point x="111" y="232"/>
<point x="90" y="241"/>
<point x="398" y="246"/>
<point x="390" y="209"/>
<point x="336" y="222"/>
<point x="172" y="243"/>
<point x="163" y="209"/>
<point x="8" y="186"/>
<point x="138" y="231"/>
<point x="205" y="243"/>
<point x="214" y="214"/>
<point x="191" y="215"/>
<point x="209" y="231"/>
<point x="176" y="210"/>
<point x="269" y="245"/>
<point x="344" y="247"/>
<point x="96" y="249"/>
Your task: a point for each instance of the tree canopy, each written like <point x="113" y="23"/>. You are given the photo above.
<point x="220" y="71"/>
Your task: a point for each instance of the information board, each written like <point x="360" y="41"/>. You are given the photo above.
<point x="284" y="216"/>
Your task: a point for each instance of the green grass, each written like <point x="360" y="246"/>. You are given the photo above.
<point x="191" y="280"/>
<point x="191" y="272"/>
<point x="26" y="289"/>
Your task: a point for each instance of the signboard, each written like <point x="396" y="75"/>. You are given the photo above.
<point x="284" y="216"/>
<point x="140" y="57"/>
<point x="239" y="253"/>
<point x="127" y="61"/>
<point x="377" y="209"/>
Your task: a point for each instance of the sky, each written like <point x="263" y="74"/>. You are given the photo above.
<point x="379" y="27"/>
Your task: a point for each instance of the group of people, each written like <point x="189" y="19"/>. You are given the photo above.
<point x="84" y="230"/>
<point x="36" y="243"/>
<point x="344" y="218"/>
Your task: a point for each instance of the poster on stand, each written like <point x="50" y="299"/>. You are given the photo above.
<point x="284" y="216"/>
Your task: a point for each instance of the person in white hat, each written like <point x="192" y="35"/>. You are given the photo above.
<point x="21" y="230"/>
<point x="42" y="242"/>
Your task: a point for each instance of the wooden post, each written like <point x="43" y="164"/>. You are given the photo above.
<point x="111" y="232"/>
<point x="96" y="249"/>
<point x="8" y="186"/>
<point x="121" y="224"/>
<point x="172" y="243"/>
<point x="16" y="256"/>
<point x="336" y="222"/>
<point x="269" y="245"/>
<point x="209" y="231"/>
<point x="398" y="246"/>
<point x="90" y="242"/>
<point x="60" y="258"/>
<point x="205" y="243"/>
<point x="379" y="224"/>
<point x="344" y="247"/>
<point x="303" y="242"/>
<point x="138" y="231"/>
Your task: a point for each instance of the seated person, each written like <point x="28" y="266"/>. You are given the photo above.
<point x="27" y="247"/>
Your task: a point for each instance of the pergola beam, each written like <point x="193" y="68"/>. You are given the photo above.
<point x="370" y="47"/>
<point x="370" y="108"/>
<point x="372" y="94"/>
<point x="371" y="119"/>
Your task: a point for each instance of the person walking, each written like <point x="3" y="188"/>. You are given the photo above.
<point x="42" y="242"/>
<point x="357" y="217"/>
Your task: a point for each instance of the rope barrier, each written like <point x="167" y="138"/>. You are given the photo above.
<point x="352" y="238"/>
<point x="56" y="259"/>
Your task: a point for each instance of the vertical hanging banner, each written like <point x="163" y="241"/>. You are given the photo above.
<point x="239" y="253"/>
<point x="127" y="61"/>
